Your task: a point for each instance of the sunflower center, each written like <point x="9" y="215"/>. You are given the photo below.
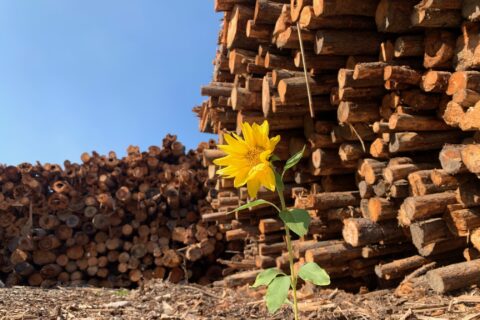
<point x="253" y="155"/>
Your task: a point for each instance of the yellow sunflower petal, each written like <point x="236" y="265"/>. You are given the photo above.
<point x="253" y="186"/>
<point x="266" y="176"/>
<point x="240" y="178"/>
<point x="239" y="138"/>
<point x="265" y="155"/>
<point x="235" y="159"/>
<point x="260" y="137"/>
<point x="273" y="142"/>
<point x="231" y="150"/>
<point x="228" y="171"/>
<point x="225" y="175"/>
<point x="224" y="161"/>
<point x="269" y="179"/>
<point x="248" y="134"/>
<point x="265" y="128"/>
<point x="252" y="174"/>
<point x="235" y="145"/>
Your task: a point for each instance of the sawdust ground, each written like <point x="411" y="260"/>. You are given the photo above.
<point x="162" y="300"/>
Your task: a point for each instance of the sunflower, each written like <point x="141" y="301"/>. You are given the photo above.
<point x="248" y="158"/>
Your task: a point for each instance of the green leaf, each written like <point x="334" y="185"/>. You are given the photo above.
<point x="265" y="277"/>
<point x="313" y="273"/>
<point x="297" y="220"/>
<point x="279" y="182"/>
<point x="277" y="293"/>
<point x="274" y="158"/>
<point x="294" y="159"/>
<point x="255" y="203"/>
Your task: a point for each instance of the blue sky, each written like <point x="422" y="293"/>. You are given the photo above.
<point x="83" y="75"/>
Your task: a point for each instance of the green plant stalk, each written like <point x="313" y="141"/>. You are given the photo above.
<point x="288" y="239"/>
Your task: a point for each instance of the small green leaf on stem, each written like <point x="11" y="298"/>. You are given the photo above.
<point x="277" y="293"/>
<point x="266" y="276"/>
<point x="297" y="220"/>
<point x="294" y="160"/>
<point x="313" y="273"/>
<point x="274" y="158"/>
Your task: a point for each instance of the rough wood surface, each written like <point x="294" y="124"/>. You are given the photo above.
<point x="455" y="276"/>
<point x="360" y="232"/>
<point x="423" y="207"/>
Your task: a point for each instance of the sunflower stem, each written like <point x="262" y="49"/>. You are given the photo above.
<point x="288" y="239"/>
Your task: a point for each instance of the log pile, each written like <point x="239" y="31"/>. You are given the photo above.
<point x="108" y="221"/>
<point x="390" y="172"/>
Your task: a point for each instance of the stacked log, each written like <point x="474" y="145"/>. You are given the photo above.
<point x="108" y="221"/>
<point x="393" y="83"/>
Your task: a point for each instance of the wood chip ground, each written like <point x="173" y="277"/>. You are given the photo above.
<point x="161" y="300"/>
